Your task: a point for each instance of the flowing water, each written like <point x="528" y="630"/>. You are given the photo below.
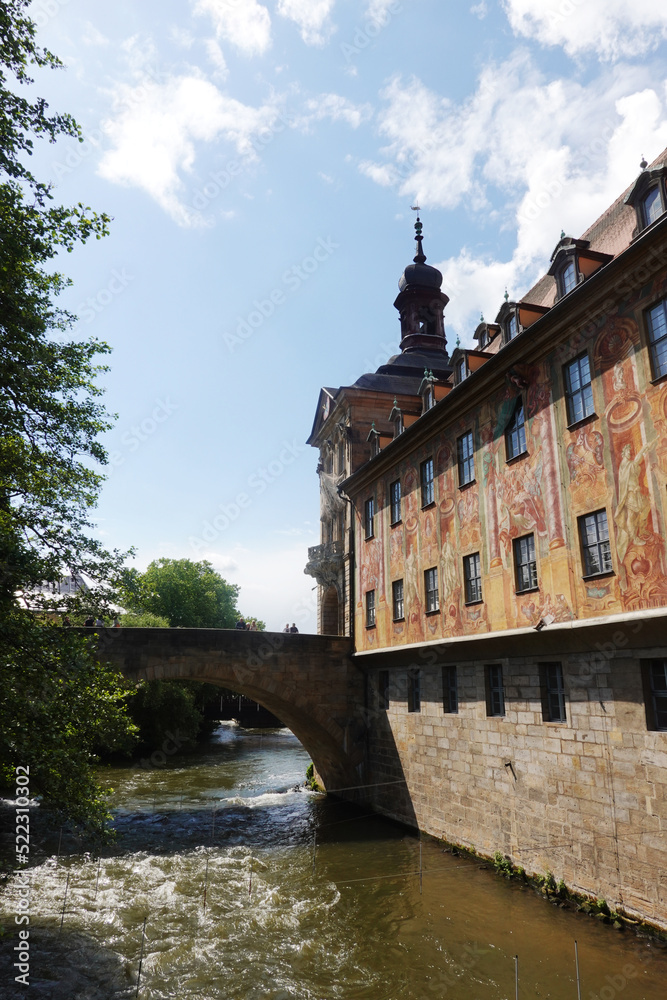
<point x="230" y="881"/>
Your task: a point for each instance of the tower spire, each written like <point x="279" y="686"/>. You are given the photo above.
<point x="420" y="256"/>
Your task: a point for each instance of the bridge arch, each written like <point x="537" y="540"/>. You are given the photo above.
<point x="308" y="681"/>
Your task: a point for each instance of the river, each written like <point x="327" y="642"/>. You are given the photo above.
<point x="253" y="888"/>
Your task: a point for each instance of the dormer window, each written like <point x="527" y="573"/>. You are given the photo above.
<point x="398" y="425"/>
<point x="568" y="277"/>
<point x="483" y="338"/>
<point x="429" y="398"/>
<point x="461" y="370"/>
<point x="652" y="205"/>
<point x="511" y="327"/>
<point x="374" y="440"/>
<point x="648" y="196"/>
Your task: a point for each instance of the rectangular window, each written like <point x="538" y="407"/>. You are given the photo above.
<point x="595" y="548"/>
<point x="553" y="692"/>
<point x="495" y="694"/>
<point x="466" y="459"/>
<point x="656" y="320"/>
<point x="515" y="435"/>
<point x="450" y="690"/>
<point x="654" y="676"/>
<point x="431" y="589"/>
<point x="472" y="573"/>
<point x="578" y="389"/>
<point x="395" y="500"/>
<point x="426" y="477"/>
<point x="369" y="518"/>
<point x="383" y="689"/>
<point x="461" y="370"/>
<point x="397" y="600"/>
<point x="370" y="608"/>
<point x="525" y="564"/>
<point x="414" y="691"/>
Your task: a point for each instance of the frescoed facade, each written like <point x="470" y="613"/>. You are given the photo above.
<point x="503" y="564"/>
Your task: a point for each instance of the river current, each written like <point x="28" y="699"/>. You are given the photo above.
<point x="230" y="881"/>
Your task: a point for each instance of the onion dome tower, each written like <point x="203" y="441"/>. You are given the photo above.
<point x="421" y="305"/>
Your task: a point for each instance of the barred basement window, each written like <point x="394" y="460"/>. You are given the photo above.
<point x="656" y="321"/>
<point x="414" y="691"/>
<point x="450" y="693"/>
<point x="397" y="600"/>
<point x="525" y="564"/>
<point x="472" y="573"/>
<point x="515" y="435"/>
<point x="395" y="500"/>
<point x="370" y="608"/>
<point x="553" y="692"/>
<point x="383" y="689"/>
<point x="466" y="459"/>
<point x="654" y="677"/>
<point x="495" y="693"/>
<point x="427" y="482"/>
<point x="369" y="518"/>
<point x="578" y="389"/>
<point x="595" y="547"/>
<point x="431" y="589"/>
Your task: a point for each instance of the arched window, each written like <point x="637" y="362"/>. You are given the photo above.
<point x="568" y="277"/>
<point x="652" y="205"/>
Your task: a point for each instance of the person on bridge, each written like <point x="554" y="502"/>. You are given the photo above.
<point x="240" y="624"/>
<point x="286" y="629"/>
<point x="294" y="628"/>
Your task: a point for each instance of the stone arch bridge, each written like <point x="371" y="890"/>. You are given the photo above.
<point x="308" y="681"/>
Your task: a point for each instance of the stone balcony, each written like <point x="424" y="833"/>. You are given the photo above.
<point x="325" y="563"/>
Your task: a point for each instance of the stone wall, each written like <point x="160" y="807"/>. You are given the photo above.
<point x="585" y="799"/>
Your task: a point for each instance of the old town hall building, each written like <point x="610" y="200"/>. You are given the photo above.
<point x="493" y="540"/>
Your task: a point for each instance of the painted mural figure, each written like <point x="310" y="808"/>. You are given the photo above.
<point x="450" y="580"/>
<point x="633" y="506"/>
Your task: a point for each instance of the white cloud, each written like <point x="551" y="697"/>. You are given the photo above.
<point x="216" y="56"/>
<point x="379" y="10"/>
<point x="93" y="36"/>
<point x="274" y="587"/>
<point x="610" y="28"/>
<point x="312" y="17"/>
<point x="244" y="23"/>
<point x="336" y="108"/>
<point x="480" y="10"/>
<point x="539" y="155"/>
<point x="155" y="130"/>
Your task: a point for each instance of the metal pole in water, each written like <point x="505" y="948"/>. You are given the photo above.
<point x="205" y="883"/>
<point x="64" y="903"/>
<point x="213" y="826"/>
<point x="314" y="848"/>
<point x="97" y="880"/>
<point x="141" y="956"/>
<point x="420" y="868"/>
<point x="516" y="976"/>
<point x="576" y="962"/>
<point x="250" y="883"/>
<point x="60" y="840"/>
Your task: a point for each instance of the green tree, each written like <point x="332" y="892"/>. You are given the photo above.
<point x="56" y="702"/>
<point x="188" y="594"/>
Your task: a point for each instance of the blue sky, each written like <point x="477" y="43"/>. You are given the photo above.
<point x="259" y="159"/>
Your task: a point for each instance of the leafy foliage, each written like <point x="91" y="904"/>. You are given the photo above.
<point x="165" y="709"/>
<point x="188" y="594"/>
<point x="57" y="707"/>
<point x="57" y="704"/>
<point x="50" y="416"/>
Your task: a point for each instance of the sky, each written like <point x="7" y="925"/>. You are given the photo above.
<point x="260" y="159"/>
